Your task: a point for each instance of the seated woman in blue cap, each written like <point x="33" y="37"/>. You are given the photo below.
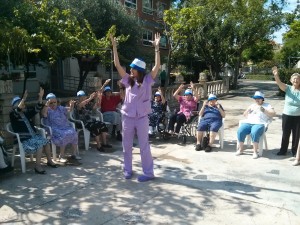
<point x="257" y="116"/>
<point x="83" y="110"/>
<point x="63" y="133"/>
<point x="188" y="104"/>
<point x="157" y="106"/>
<point x="21" y="122"/>
<point x="211" y="115"/>
<point x="108" y="102"/>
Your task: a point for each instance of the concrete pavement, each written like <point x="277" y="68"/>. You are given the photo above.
<point x="191" y="187"/>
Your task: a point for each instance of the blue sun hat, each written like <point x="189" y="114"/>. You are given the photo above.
<point x="81" y="93"/>
<point x="50" y="96"/>
<point x="107" y="88"/>
<point x="258" y="95"/>
<point x="212" y="97"/>
<point x="188" y="92"/>
<point x="15" y="100"/>
<point x="157" y="94"/>
<point x="138" y="64"/>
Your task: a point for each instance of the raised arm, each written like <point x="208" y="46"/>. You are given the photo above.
<point x="163" y="100"/>
<point x="120" y="69"/>
<point x="280" y="84"/>
<point x="176" y="93"/>
<point x="105" y="83"/>
<point x="157" y="56"/>
<point x="194" y="91"/>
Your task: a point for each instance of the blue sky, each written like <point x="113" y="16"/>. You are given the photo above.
<point x="289" y="8"/>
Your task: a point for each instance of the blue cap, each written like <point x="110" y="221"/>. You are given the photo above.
<point x="138" y="64"/>
<point x="81" y="93"/>
<point x="157" y="94"/>
<point x="258" y="95"/>
<point x="50" y="96"/>
<point x="107" y="88"/>
<point x="212" y="97"/>
<point x="188" y="92"/>
<point x="15" y="100"/>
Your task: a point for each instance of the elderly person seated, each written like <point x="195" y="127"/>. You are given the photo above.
<point x="212" y="114"/>
<point x="83" y="110"/>
<point x="157" y="106"/>
<point x="188" y="104"/>
<point x="257" y="115"/>
<point x="21" y="122"/>
<point x="108" y="102"/>
<point x="63" y="133"/>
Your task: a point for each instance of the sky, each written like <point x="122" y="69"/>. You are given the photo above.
<point x="289" y="8"/>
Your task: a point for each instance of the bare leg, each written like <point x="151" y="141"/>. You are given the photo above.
<point x="199" y="137"/>
<point x="103" y="137"/>
<point x="212" y="138"/>
<point x="62" y="151"/>
<point x="255" y="147"/>
<point x="48" y="154"/>
<point x="38" y="160"/>
<point x="97" y="138"/>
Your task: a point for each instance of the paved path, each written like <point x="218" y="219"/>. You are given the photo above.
<point x="191" y="187"/>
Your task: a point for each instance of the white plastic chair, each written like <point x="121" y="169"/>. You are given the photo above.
<point x="20" y="146"/>
<point x="220" y="133"/>
<point x="49" y="130"/>
<point x="262" y="139"/>
<point x="86" y="132"/>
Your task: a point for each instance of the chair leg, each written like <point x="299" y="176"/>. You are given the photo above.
<point x="53" y="146"/>
<point x="13" y="156"/>
<point x="261" y="145"/>
<point x="265" y="140"/>
<point x="22" y="158"/>
<point x="87" y="136"/>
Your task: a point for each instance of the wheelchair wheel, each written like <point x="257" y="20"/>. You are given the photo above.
<point x="183" y="139"/>
<point x="194" y="125"/>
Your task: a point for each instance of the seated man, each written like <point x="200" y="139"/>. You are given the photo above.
<point x="212" y="114"/>
<point x="109" y="102"/>
<point x="258" y="114"/>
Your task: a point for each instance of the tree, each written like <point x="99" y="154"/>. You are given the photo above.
<point x="221" y="31"/>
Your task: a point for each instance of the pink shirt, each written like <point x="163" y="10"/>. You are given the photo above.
<point x="137" y="102"/>
<point x="187" y="107"/>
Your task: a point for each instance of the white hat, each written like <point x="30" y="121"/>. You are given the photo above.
<point x="212" y="97"/>
<point x="258" y="95"/>
<point x="81" y="93"/>
<point x="15" y="100"/>
<point x="138" y="64"/>
<point x="50" y="96"/>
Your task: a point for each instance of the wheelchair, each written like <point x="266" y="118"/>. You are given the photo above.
<point x="189" y="128"/>
<point x="161" y="130"/>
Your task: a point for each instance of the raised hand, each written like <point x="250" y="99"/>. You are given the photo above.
<point x="156" y="40"/>
<point x="25" y="95"/>
<point x="107" y="81"/>
<point x="275" y="70"/>
<point x="41" y="93"/>
<point x="113" y="40"/>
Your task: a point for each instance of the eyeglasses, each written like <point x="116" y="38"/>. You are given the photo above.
<point x="52" y="103"/>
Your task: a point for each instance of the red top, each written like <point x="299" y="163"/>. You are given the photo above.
<point x="110" y="104"/>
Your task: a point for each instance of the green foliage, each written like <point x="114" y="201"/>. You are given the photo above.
<point x="221" y="30"/>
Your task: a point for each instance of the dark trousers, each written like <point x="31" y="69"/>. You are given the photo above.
<point x="179" y="119"/>
<point x="290" y="124"/>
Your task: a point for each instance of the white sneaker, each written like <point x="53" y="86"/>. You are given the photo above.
<point x="255" y="155"/>
<point x="296" y="163"/>
<point x="238" y="152"/>
<point x="62" y="160"/>
<point x="150" y="130"/>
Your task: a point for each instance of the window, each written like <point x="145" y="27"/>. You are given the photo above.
<point x="163" y="41"/>
<point x="160" y="9"/>
<point x="147" y="37"/>
<point x="130" y="4"/>
<point x="147" y="7"/>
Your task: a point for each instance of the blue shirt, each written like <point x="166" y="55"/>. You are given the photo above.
<point x="292" y="102"/>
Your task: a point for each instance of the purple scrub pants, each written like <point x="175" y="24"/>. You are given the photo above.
<point x="139" y="126"/>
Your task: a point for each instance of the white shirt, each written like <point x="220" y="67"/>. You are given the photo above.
<point x="256" y="116"/>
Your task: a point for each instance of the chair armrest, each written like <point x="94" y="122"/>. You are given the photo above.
<point x="41" y="131"/>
